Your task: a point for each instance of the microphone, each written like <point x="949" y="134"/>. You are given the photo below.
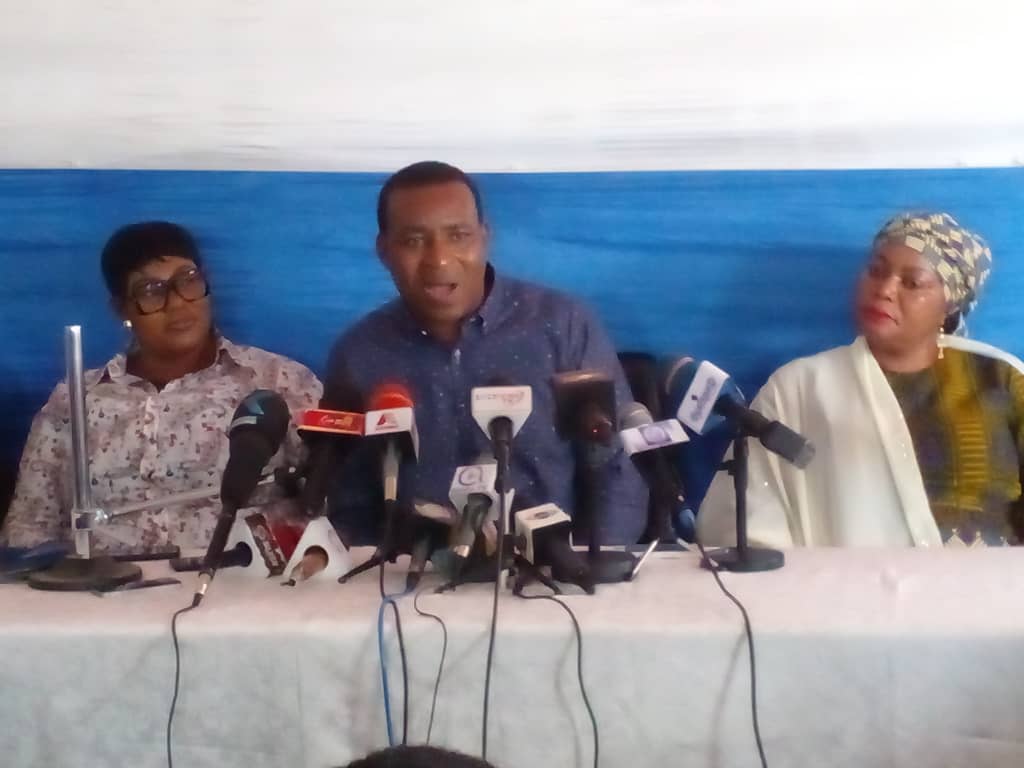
<point x="500" y="410"/>
<point x="585" y="415"/>
<point x="645" y="441"/>
<point x="543" y="534"/>
<point x="257" y="430"/>
<point x="390" y="420"/>
<point x="475" y="498"/>
<point x="704" y="396"/>
<point x="330" y="433"/>
<point x="640" y="433"/>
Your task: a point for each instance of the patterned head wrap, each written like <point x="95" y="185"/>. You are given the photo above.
<point x="961" y="258"/>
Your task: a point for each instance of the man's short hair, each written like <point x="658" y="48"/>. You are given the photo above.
<point x="418" y="757"/>
<point x="424" y="174"/>
<point x="134" y="246"/>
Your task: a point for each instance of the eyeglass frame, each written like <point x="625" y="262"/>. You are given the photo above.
<point x="166" y="286"/>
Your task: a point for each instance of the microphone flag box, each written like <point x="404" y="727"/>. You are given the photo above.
<point x="336" y="422"/>
<point x="392" y="421"/>
<point x="650" y="437"/>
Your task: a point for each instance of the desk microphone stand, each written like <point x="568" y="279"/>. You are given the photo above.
<point x="742" y="558"/>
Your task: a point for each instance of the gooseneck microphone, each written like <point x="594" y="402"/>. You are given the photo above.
<point x="256" y="432"/>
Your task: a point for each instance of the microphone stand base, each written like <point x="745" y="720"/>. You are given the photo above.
<point x="749" y="560"/>
<point x="608" y="567"/>
<point x="77" y="574"/>
<point x="373" y="562"/>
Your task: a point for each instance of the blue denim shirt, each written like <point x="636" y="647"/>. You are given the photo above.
<point x="522" y="333"/>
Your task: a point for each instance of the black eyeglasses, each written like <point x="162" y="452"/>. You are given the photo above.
<point x="150" y="296"/>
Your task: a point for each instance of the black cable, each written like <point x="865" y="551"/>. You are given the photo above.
<point x="177" y="679"/>
<point x="750" y="647"/>
<point x="401" y="651"/>
<point x="440" y="666"/>
<point x="502" y="511"/>
<point x="579" y="666"/>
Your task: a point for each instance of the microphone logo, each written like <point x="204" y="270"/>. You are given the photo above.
<point x="703" y="400"/>
<point x="346" y="421"/>
<point x="387" y="420"/>
<point x="470" y="475"/>
<point x="510" y="397"/>
<point x="655" y="435"/>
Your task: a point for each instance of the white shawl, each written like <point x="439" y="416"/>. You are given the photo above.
<point x="863" y="487"/>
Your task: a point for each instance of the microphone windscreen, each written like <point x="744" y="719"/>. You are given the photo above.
<point x="389" y="394"/>
<point x="256" y="432"/>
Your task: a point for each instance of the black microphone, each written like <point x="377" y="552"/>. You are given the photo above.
<point x="703" y="396"/>
<point x="473" y="493"/>
<point x="256" y="432"/>
<point x="585" y="415"/>
<point x="331" y="432"/>
<point x="543" y="533"/>
<point x="646" y="442"/>
<point x="500" y="409"/>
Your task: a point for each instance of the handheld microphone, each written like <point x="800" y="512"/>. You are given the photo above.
<point x="543" y="533"/>
<point x="500" y="410"/>
<point x="256" y="432"/>
<point x="331" y="433"/>
<point x="390" y="420"/>
<point x="475" y="498"/>
<point x="704" y="396"/>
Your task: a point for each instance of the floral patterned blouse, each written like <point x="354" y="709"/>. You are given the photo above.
<point x="146" y="443"/>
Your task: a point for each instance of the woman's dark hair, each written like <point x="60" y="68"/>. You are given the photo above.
<point x="134" y="246"/>
<point x="418" y="757"/>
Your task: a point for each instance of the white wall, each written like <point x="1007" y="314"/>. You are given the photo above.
<point x="519" y="85"/>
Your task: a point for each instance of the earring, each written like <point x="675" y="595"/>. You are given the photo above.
<point x="941" y="341"/>
<point x="127" y="324"/>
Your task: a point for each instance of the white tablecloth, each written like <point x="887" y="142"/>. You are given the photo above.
<point x="864" y="658"/>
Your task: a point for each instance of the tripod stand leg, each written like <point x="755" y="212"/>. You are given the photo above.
<point x="377" y="559"/>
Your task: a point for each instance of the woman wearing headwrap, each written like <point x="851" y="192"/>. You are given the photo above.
<point x="919" y="436"/>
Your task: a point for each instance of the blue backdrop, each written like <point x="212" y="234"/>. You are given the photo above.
<point x="749" y="269"/>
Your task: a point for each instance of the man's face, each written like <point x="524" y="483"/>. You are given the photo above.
<point x="435" y="247"/>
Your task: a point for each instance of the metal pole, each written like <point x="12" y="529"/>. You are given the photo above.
<point x="740" y="455"/>
<point x="82" y="509"/>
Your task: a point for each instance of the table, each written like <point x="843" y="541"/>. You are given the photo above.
<point x="864" y="658"/>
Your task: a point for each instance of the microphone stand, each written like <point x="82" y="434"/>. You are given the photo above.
<point x="386" y="552"/>
<point x="606" y="566"/>
<point x="742" y="558"/>
<point x="81" y="571"/>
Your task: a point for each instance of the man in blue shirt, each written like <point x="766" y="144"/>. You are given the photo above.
<point x="458" y="324"/>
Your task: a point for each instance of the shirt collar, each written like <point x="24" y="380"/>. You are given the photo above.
<point x="486" y="316"/>
<point x="116" y="368"/>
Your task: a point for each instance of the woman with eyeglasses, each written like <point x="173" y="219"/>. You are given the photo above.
<point x="158" y="413"/>
<point x="919" y="434"/>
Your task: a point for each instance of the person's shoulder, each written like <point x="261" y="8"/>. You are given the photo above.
<point x="271" y="367"/>
<point x="809" y="366"/>
<point x="375" y="326"/>
<point x="58" y="403"/>
<point x="545" y="299"/>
